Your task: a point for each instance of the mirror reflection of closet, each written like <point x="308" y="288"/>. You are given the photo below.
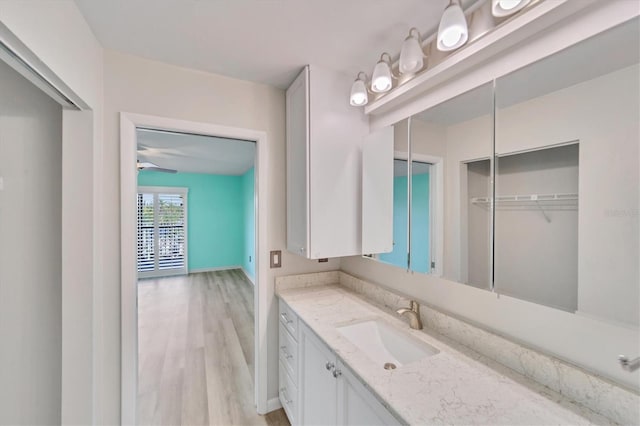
<point x="454" y="142"/>
<point x="568" y="179"/>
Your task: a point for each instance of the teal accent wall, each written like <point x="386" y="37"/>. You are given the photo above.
<point x="216" y="219"/>
<point x="420" y="224"/>
<point x="420" y="232"/>
<point x="249" y="217"/>
<point x="398" y="256"/>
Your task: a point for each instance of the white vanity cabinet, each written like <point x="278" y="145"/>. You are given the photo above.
<point x="324" y="141"/>
<point x="288" y="366"/>
<point x="329" y="393"/>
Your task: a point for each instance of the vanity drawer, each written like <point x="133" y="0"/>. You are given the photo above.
<point x="289" y="319"/>
<point x="288" y="353"/>
<point x="288" y="394"/>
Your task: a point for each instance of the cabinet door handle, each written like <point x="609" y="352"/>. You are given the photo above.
<point x="285" y="318"/>
<point x="284" y="395"/>
<point x="329" y="366"/>
<point x="337" y="373"/>
<point x="286" y="353"/>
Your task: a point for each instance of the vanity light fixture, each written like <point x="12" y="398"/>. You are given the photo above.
<point x="382" y="78"/>
<point x="453" y="31"/>
<point x="502" y="8"/>
<point x="359" y="94"/>
<point x="411" y="55"/>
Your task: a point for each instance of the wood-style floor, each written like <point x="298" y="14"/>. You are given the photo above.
<point x="195" y="351"/>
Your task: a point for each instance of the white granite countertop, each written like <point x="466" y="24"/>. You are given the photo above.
<point x="447" y="388"/>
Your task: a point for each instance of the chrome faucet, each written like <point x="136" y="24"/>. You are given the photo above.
<point x="414" y="314"/>
<point x="629" y="365"/>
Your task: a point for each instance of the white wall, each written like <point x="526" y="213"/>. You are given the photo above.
<point x="30" y="259"/>
<point x="56" y="32"/>
<point x="147" y="87"/>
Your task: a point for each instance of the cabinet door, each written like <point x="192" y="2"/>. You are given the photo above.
<point x="337" y="132"/>
<point x="298" y="164"/>
<point x="317" y="384"/>
<point x="377" y="192"/>
<point x="357" y="405"/>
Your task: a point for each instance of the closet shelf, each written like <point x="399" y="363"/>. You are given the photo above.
<point x="542" y="202"/>
<point x="535" y="198"/>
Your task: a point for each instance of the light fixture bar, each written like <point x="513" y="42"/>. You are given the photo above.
<point x="457" y="29"/>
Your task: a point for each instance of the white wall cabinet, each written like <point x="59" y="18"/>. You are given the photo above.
<point x="377" y="192"/>
<point x="324" y="162"/>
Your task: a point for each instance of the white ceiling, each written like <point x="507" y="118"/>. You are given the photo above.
<point x="265" y="41"/>
<point x="195" y="153"/>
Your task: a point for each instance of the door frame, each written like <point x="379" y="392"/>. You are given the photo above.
<point x="436" y="207"/>
<point x="128" y="264"/>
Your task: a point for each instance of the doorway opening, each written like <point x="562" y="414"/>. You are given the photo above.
<point x="191" y="271"/>
<point x="196" y="250"/>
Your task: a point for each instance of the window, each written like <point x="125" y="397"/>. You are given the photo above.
<point x="162" y="231"/>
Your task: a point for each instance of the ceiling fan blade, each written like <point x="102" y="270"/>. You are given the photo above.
<point x="153" y="167"/>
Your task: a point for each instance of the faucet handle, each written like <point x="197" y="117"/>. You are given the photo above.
<point x="415" y="306"/>
<point x="629" y="365"/>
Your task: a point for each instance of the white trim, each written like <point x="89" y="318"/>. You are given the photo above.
<point x="167" y="189"/>
<point x="128" y="188"/>
<point x="437" y="215"/>
<point x="18" y="56"/>
<point x="219" y="268"/>
<point x="246" y="274"/>
<point x="273" y="404"/>
<point x="436" y="183"/>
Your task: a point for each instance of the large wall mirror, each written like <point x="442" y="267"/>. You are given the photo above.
<point x="529" y="185"/>
<point x="455" y="141"/>
<point x="568" y="179"/>
<point x="442" y="159"/>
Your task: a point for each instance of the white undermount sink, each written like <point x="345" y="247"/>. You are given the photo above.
<point x="386" y="345"/>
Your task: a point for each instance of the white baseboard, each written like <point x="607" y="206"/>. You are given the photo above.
<point x="273" y="404"/>
<point x="246" y="274"/>
<point x="221" y="268"/>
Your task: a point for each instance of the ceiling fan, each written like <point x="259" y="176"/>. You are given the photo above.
<point x="150" y="166"/>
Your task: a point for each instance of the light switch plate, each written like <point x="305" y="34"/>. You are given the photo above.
<point x="276" y="258"/>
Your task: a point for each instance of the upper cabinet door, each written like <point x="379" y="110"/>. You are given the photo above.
<point x="298" y="164"/>
<point x="324" y="165"/>
<point x="377" y="192"/>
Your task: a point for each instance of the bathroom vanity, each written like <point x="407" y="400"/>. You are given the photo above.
<point x="336" y="347"/>
<point x="509" y="197"/>
<point x="315" y="386"/>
